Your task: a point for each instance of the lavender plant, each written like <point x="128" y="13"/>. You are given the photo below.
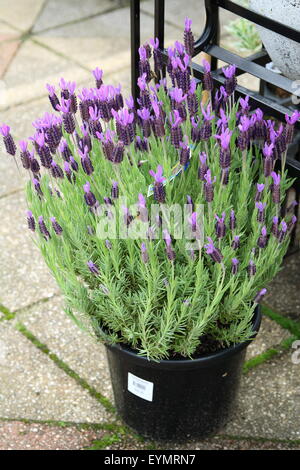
<point x="99" y="165"/>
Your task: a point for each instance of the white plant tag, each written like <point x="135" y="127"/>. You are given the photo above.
<point x="140" y="387"/>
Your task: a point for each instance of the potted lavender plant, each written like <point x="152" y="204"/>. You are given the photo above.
<point x="162" y="224"/>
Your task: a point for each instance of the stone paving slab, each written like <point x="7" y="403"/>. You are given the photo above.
<point x="102" y="41"/>
<point x="20" y="14"/>
<point x="8" y="48"/>
<point x="24" y="275"/>
<point x="33" y="387"/>
<point x="287" y="282"/>
<point x="269" y="401"/>
<point x="32" y="68"/>
<point x="17" y="435"/>
<point x="79" y="349"/>
<point x="270" y="335"/>
<point x="72" y="11"/>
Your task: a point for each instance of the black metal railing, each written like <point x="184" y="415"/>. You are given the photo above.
<point x="254" y="65"/>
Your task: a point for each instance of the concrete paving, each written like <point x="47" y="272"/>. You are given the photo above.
<point x="49" y="369"/>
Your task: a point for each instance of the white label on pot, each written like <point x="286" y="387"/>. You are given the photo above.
<point x="140" y="387"/>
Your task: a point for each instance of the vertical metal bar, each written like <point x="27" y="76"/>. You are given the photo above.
<point x="159" y="26"/>
<point x="135" y="38"/>
<point x="159" y="21"/>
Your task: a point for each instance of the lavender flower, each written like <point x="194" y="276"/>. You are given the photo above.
<point x="234" y="266"/>
<point x="157" y="57"/>
<point x="53" y="97"/>
<point x="275" y="229"/>
<point x="74" y="164"/>
<point x="144" y="66"/>
<point x="118" y="153"/>
<point x="203" y="166"/>
<point x="145" y="255"/>
<point x="24" y="155"/>
<point x="34" y="164"/>
<point x="282" y="233"/>
<point x="259" y="191"/>
<point x="257" y="299"/>
<point x="236" y="242"/>
<point x="30" y="221"/>
<point x="86" y="162"/>
<point x="290" y="124"/>
<point x="207" y="78"/>
<point x="208" y="186"/>
<point x="213" y="251"/>
<point x="188" y="37"/>
<point x="260" y="206"/>
<point x="262" y="240"/>
<point x="56" y="227"/>
<point x="220" y="226"/>
<point x="184" y="153"/>
<point x="56" y="170"/>
<point x="176" y="131"/>
<point x="225" y="155"/>
<point x="232" y="220"/>
<point x="244" y="135"/>
<point x="43" y="229"/>
<point x="143" y="212"/>
<point x="231" y="81"/>
<point x="9" y="142"/>
<point x="170" y="252"/>
<point x="93" y="268"/>
<point x="276" y="188"/>
<point x="68" y="118"/>
<point x="251" y="268"/>
<point x="89" y="197"/>
<point x="115" y="190"/>
<point x="37" y="186"/>
<point x="98" y="74"/>
<point x="144" y="115"/>
<point x="158" y="190"/>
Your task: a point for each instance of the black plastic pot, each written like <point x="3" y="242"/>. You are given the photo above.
<point x="177" y="399"/>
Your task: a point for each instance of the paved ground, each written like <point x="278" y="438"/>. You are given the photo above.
<point x="55" y="391"/>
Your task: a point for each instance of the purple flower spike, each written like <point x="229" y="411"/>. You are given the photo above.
<point x="93" y="268"/>
<point x="188" y="37"/>
<point x="260" y="206"/>
<point x="145" y="256"/>
<point x="268" y="150"/>
<point x="213" y="252"/>
<point x="56" y="170"/>
<point x="236" y="243"/>
<point x="257" y="299"/>
<point x="8" y="140"/>
<point x="89" y="197"/>
<point x="220" y="226"/>
<point x="56" y="227"/>
<point x="251" y="268"/>
<point x="43" y="229"/>
<point x="231" y="81"/>
<point x="158" y="175"/>
<point x="276" y="188"/>
<point x="262" y="240"/>
<point x="208" y="186"/>
<point x="203" y="166"/>
<point x="30" y="221"/>
<point x="37" y="186"/>
<point x="282" y="232"/>
<point x="234" y="266"/>
<point x="207" y="78"/>
<point x="115" y="190"/>
<point x="260" y="188"/>
<point x="98" y="73"/>
<point x="232" y="220"/>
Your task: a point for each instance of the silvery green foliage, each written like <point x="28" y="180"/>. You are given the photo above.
<point x="160" y="298"/>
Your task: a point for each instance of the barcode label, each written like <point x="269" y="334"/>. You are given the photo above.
<point x="140" y="387"/>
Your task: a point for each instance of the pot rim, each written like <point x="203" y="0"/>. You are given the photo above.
<point x="206" y="360"/>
